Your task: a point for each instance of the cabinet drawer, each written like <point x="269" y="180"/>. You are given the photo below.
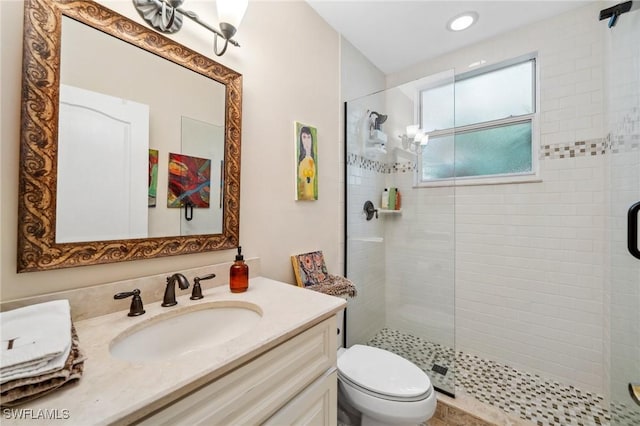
<point x="317" y="405"/>
<point x="253" y="392"/>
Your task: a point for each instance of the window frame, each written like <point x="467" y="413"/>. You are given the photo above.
<point x="533" y="118"/>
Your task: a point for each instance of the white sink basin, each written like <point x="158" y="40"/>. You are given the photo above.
<point x="181" y="331"/>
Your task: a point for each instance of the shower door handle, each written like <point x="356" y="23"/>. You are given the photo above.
<point x="632" y="230"/>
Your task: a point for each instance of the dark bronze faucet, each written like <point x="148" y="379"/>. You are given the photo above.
<point x="170" y="290"/>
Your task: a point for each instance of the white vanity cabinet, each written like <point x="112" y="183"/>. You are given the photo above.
<point x="293" y="383"/>
<point x="316" y="405"/>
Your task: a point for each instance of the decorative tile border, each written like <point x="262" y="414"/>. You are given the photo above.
<point x="379" y="166"/>
<point x="528" y="396"/>
<point x="403" y="167"/>
<point x="626" y="135"/>
<point x="591" y="147"/>
<point x="574" y="149"/>
<point x="613" y="144"/>
<point x="621" y="143"/>
<point x="365" y="163"/>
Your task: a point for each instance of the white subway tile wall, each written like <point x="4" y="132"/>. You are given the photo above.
<point x="366" y="253"/>
<point x="529" y="272"/>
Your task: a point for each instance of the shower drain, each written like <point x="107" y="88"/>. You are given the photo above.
<point x="439" y="369"/>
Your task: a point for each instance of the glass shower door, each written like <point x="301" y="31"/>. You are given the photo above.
<point x="364" y="239"/>
<point x="401" y="260"/>
<point x="622" y="70"/>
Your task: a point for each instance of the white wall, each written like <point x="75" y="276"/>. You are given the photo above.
<point x="290" y="72"/>
<point x="529" y="258"/>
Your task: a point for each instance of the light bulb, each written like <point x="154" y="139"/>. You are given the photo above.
<point x="231" y="11"/>
<point x="412" y="130"/>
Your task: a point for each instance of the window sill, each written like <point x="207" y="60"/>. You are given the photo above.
<point x="475" y="181"/>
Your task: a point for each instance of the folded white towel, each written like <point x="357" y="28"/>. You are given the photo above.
<point x="36" y="339"/>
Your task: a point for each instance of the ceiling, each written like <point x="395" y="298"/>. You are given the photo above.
<point x="395" y="34"/>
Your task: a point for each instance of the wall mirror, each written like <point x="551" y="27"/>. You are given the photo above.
<point x="85" y="194"/>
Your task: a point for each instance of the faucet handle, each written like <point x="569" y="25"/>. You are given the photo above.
<point x="136" y="307"/>
<point x="196" y="293"/>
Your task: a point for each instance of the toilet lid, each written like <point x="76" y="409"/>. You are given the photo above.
<point x="383" y="372"/>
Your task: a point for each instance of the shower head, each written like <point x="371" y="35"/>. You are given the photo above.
<point x="378" y="120"/>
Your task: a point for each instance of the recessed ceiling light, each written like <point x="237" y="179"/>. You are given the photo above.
<point x="462" y="21"/>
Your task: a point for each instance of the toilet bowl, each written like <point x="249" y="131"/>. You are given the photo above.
<point x="383" y="387"/>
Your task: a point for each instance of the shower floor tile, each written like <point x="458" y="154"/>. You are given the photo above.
<point x="528" y="396"/>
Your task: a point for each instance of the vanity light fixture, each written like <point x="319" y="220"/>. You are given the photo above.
<point x="462" y="21"/>
<point x="166" y="16"/>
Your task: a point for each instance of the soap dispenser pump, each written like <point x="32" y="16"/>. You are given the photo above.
<point x="239" y="274"/>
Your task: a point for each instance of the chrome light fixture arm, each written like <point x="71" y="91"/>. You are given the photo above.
<point x="223" y="26"/>
<point x="166" y="16"/>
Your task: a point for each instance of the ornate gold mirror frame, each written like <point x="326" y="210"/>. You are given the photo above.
<point x="37" y="247"/>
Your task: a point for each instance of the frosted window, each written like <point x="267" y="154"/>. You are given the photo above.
<point x="438" y="158"/>
<point x="494" y="151"/>
<point x="437" y="108"/>
<point x="481" y="125"/>
<point x="499" y="94"/>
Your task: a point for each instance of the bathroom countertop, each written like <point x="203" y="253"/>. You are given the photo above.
<point x="114" y="391"/>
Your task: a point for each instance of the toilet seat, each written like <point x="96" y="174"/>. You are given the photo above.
<point x="383" y="374"/>
<point x="381" y="395"/>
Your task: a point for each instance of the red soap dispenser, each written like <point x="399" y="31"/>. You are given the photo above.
<point x="239" y="274"/>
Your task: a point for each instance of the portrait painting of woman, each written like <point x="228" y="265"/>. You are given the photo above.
<point x="307" y="162"/>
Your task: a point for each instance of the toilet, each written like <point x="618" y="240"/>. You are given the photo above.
<point x="383" y="388"/>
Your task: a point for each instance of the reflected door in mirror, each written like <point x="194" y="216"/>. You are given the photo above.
<point x="102" y="167"/>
